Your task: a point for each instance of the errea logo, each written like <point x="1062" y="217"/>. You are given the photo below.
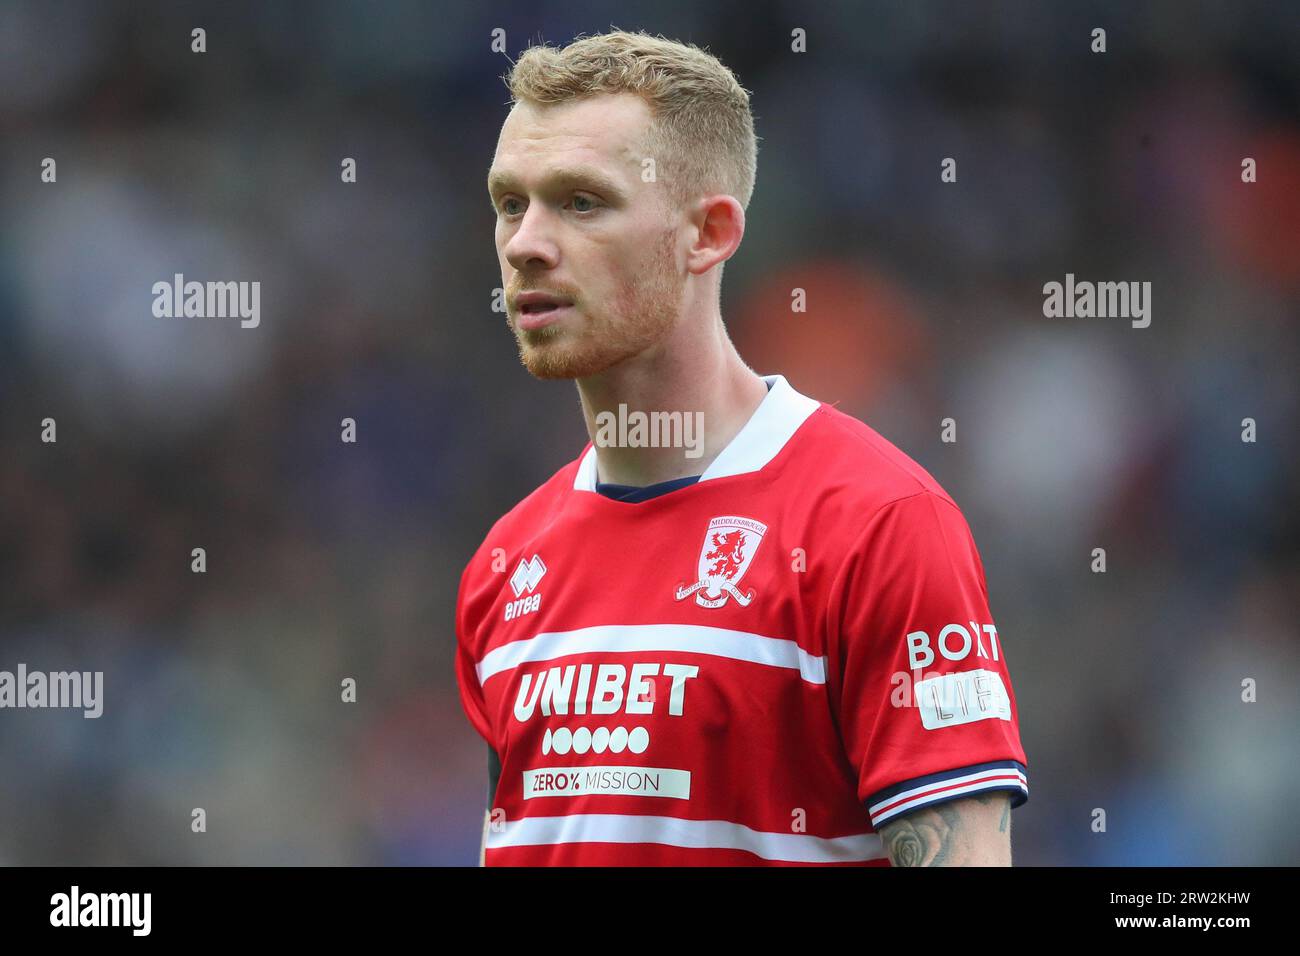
<point x="527" y="575"/>
<point x="526" y="578"/>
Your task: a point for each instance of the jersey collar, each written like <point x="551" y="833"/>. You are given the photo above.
<point x="768" y="430"/>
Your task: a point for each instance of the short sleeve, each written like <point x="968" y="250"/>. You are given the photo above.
<point x="925" y="703"/>
<point x="471" y="694"/>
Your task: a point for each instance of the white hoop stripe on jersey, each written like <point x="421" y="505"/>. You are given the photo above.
<point x="688" y="638"/>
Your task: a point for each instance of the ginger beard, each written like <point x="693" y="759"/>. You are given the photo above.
<point x="592" y="340"/>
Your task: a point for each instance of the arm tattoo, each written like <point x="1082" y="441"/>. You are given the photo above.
<point x="953" y="833"/>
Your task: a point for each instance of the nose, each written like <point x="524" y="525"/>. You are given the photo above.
<point x="532" y="245"/>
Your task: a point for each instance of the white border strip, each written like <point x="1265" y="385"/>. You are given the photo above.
<point x="761" y="439"/>
<point x="692" y="834"/>
<point x="622" y="638"/>
<point x="951" y="787"/>
<point x="585" y="479"/>
<point x="773" y="425"/>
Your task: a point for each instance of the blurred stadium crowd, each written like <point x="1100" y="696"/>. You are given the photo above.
<point x="328" y="560"/>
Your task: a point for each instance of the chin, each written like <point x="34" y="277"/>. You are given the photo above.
<point x="551" y="357"/>
<point x="550" y="363"/>
<point x="562" y="351"/>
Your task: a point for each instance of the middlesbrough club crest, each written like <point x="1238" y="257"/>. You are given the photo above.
<point x="729" y="547"/>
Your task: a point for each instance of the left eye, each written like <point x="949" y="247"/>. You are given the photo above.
<point x="583" y="199"/>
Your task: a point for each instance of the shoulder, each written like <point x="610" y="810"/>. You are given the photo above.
<point x="538" y="508"/>
<point x="527" y="518"/>
<point x="892" y="526"/>
<point x="857" y="472"/>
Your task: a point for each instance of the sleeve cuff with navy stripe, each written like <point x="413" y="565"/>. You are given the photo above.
<point x="918" y="792"/>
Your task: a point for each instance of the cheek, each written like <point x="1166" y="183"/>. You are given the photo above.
<point x="627" y="266"/>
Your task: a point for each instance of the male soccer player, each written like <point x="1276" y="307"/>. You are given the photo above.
<point x="771" y="647"/>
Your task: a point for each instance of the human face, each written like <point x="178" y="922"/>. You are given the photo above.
<point x="575" y="221"/>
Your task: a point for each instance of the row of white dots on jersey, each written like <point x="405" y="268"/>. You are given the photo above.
<point x="597" y="741"/>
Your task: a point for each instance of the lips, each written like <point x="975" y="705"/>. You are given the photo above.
<point x="532" y="321"/>
<point x="539" y="309"/>
<point x="537" y="303"/>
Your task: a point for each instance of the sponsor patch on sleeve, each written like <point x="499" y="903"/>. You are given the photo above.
<point x="962" y="698"/>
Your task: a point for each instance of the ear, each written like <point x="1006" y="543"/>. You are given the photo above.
<point x="719" y="223"/>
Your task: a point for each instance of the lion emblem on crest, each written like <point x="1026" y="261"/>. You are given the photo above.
<point x="729" y="547"/>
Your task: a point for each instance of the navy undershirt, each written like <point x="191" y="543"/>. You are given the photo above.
<point x="633" y="494"/>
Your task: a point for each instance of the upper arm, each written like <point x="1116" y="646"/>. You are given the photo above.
<point x="918" y="671"/>
<point x="969" y="831"/>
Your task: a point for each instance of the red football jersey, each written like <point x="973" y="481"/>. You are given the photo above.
<point x="759" y="668"/>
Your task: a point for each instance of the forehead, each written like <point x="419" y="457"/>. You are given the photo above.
<point x="607" y="130"/>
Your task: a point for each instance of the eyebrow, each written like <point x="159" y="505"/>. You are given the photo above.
<point x="588" y="176"/>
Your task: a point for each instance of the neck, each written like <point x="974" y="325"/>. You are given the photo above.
<point x="696" y="372"/>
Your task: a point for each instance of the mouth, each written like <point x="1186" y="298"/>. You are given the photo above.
<point x="536" y="310"/>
